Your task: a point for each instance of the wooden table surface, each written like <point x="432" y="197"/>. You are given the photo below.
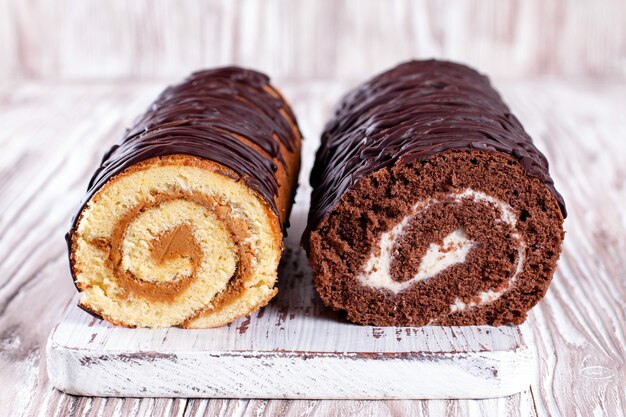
<point x="53" y="135"/>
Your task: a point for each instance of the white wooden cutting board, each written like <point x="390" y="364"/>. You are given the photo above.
<point x="293" y="348"/>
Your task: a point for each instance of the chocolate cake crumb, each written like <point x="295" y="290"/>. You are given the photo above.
<point x="431" y="205"/>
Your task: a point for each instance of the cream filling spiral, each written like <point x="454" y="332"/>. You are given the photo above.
<point x="453" y="250"/>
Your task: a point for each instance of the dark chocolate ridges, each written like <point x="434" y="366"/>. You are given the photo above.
<point x="183" y="221"/>
<point x="412" y="112"/>
<point x="204" y="116"/>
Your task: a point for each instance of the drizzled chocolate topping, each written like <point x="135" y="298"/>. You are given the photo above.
<point x="213" y="114"/>
<point x="414" y="111"/>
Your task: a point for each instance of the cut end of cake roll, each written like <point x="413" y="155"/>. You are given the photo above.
<point x="168" y="234"/>
<point x="461" y="238"/>
<point x="183" y="221"/>
<point x="431" y="204"/>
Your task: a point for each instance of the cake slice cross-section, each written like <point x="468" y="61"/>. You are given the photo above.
<point x="431" y="204"/>
<point x="183" y="221"/>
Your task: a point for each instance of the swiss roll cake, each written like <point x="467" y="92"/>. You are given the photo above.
<point x="183" y="221"/>
<point x="431" y="204"/>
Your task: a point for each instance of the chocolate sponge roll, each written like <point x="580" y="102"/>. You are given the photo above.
<point x="183" y="222"/>
<point x="430" y="204"/>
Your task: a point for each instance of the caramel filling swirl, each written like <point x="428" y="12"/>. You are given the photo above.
<point x="177" y="246"/>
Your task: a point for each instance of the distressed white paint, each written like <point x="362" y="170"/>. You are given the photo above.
<point x="304" y="40"/>
<point x="282" y="352"/>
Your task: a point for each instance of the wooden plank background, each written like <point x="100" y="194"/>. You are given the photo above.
<point x="304" y="40"/>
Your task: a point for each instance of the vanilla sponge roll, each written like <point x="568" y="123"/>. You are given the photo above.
<point x="431" y="205"/>
<point x="183" y="222"/>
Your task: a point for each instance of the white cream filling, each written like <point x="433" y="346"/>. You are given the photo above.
<point x="454" y="250"/>
<point x="486" y="297"/>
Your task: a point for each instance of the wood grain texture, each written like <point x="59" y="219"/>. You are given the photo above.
<point x="294" y="348"/>
<point x="582" y="326"/>
<point x="52" y="137"/>
<point x="299" y="39"/>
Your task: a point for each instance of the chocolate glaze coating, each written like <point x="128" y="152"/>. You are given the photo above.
<point x="412" y="112"/>
<point x="203" y="116"/>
